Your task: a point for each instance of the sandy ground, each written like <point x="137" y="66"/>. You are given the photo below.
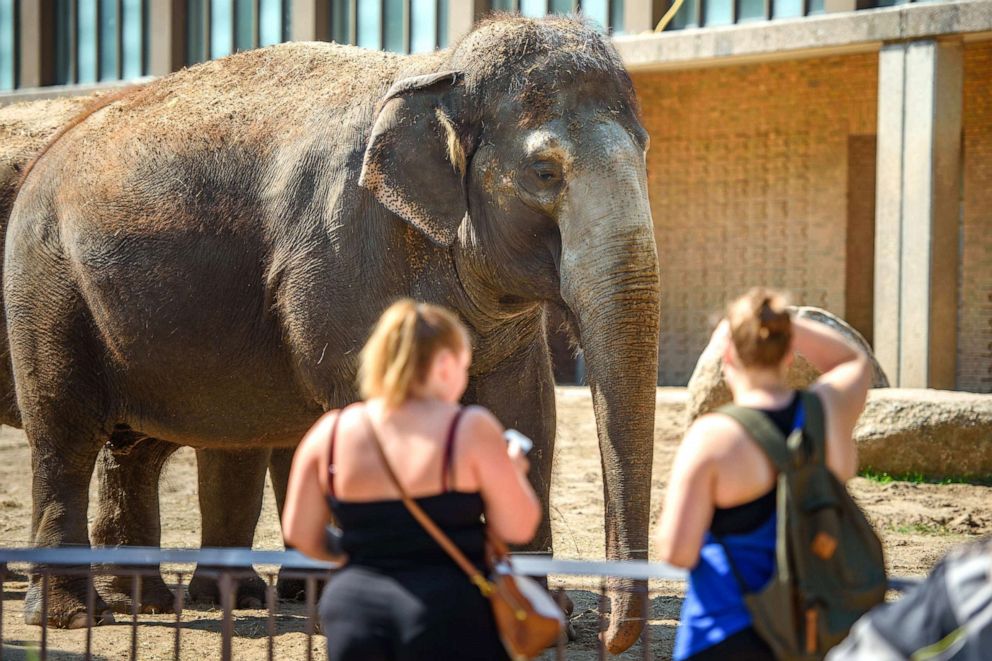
<point x="918" y="522"/>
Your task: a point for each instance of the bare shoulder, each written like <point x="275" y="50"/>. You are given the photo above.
<point x="483" y="428"/>
<point x="319" y="434"/>
<point x="714" y="426"/>
<point x="714" y="435"/>
<point x="479" y="418"/>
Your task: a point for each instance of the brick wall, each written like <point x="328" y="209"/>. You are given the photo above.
<point x="974" y="368"/>
<point x="748" y="176"/>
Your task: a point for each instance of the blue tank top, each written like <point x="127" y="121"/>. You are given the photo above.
<point x="714" y="609"/>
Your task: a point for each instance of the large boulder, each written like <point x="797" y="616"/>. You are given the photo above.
<point x="933" y="433"/>
<point x="708" y="391"/>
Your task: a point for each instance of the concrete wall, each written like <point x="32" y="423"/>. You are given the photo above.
<point x="749" y="176"/>
<point x="974" y="368"/>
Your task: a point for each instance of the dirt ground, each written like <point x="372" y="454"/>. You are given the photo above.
<point x="918" y="522"/>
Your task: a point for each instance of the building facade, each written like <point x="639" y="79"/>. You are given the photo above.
<point x="838" y="149"/>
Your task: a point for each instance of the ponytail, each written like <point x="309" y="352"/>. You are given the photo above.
<point x="398" y="355"/>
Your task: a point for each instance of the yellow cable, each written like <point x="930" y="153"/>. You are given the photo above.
<point x="669" y="15"/>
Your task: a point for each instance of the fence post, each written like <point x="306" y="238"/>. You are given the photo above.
<point x="3" y="579"/>
<point x="228" y="591"/>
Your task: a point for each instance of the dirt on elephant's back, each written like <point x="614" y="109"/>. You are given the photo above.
<point x="918" y="523"/>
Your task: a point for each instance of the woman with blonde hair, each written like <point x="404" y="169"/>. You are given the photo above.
<point x="720" y="498"/>
<point x="400" y="596"/>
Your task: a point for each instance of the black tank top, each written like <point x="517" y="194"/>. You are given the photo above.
<point x="382" y="534"/>
<point x="745" y="518"/>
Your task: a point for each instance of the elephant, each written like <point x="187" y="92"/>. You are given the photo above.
<point x="129" y="465"/>
<point x="201" y="260"/>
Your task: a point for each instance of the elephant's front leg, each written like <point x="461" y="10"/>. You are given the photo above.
<point x="521" y="393"/>
<point x="230" y="487"/>
<point x="128" y="471"/>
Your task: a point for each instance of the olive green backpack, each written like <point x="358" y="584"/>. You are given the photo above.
<point x="829" y="568"/>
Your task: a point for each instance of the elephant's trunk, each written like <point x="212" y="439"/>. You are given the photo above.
<point x="610" y="282"/>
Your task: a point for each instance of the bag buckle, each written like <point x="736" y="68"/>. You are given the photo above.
<point x="484" y="585"/>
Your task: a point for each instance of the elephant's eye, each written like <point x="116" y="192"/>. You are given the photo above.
<point x="548" y="172"/>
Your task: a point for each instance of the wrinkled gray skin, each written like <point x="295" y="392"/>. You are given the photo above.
<point x="202" y="261"/>
<point x="127" y="512"/>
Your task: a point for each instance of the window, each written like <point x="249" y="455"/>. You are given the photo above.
<point x="100" y="40"/>
<point x="8" y="44"/>
<point x="401" y="26"/>
<point x="608" y="14"/>
<point x="215" y="28"/>
<point x="710" y="13"/>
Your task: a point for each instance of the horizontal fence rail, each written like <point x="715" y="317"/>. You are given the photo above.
<point x="229" y="565"/>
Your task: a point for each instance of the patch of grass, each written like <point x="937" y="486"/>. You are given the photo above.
<point x="881" y="477"/>
<point x="921" y="529"/>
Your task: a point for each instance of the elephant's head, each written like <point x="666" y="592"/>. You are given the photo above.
<point x="527" y="154"/>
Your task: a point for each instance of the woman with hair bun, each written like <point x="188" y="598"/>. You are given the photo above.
<point x="400" y="596"/>
<point x="721" y="494"/>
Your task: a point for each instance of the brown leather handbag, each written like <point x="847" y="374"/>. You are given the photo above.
<point x="528" y="619"/>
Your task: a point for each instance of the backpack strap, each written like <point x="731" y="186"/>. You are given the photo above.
<point x="764" y="432"/>
<point x="814" y="426"/>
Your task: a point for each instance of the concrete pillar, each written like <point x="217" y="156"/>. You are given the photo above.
<point x="166" y="36"/>
<point x="310" y="20"/>
<point x="832" y="6"/>
<point x="643" y="15"/>
<point x="918" y="204"/>
<point x="37" y="39"/>
<point x="462" y="15"/>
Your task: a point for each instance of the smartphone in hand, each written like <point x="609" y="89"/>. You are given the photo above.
<point x="513" y="437"/>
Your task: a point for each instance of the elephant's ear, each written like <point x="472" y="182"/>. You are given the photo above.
<point x="415" y="159"/>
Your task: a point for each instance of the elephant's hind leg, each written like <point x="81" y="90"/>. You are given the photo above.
<point x="231" y="483"/>
<point x="64" y="448"/>
<point x="128" y="471"/>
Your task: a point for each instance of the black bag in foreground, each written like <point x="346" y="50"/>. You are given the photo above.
<point x="948" y="617"/>
<point x="829" y="568"/>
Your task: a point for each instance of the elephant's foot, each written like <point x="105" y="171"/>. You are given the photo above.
<point x="291" y="588"/>
<point x="250" y="595"/>
<point x="568" y="607"/>
<point x="66" y="607"/>
<point x="117" y="591"/>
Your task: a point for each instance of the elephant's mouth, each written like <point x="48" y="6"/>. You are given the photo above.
<point x="568" y="323"/>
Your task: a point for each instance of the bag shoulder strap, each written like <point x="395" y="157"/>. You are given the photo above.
<point x="814" y="425"/>
<point x="764" y="432"/>
<point x="447" y="466"/>
<point x="426" y="522"/>
<point x="326" y="475"/>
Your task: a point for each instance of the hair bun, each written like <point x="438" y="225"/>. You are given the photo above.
<point x="761" y="327"/>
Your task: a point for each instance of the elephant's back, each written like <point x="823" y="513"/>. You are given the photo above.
<point x="256" y="97"/>
<point x="170" y="150"/>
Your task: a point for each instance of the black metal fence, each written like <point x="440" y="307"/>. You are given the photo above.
<point x="588" y="584"/>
